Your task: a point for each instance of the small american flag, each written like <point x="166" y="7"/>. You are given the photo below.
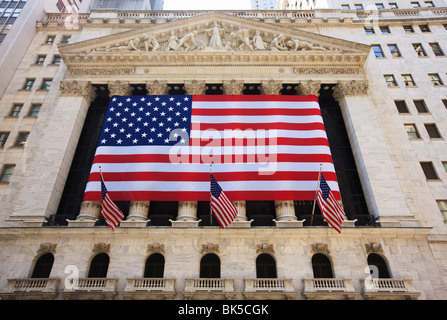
<point x="111" y="213"/>
<point x="223" y="209"/>
<point x="330" y="208"/>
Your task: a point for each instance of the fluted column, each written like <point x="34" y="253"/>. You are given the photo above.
<point x="187" y="210"/>
<point x="138" y="214"/>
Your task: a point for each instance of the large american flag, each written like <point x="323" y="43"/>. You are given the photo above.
<point x="262" y="147"/>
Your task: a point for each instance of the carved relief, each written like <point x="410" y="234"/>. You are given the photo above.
<point x="350" y="88"/>
<point x="101" y="247"/>
<point x="271" y="87"/>
<point x="195" y="87"/>
<point x="155" y="248"/>
<point x="119" y="88"/>
<point x="210" y="248"/>
<point x="233" y="87"/>
<point x="47" y="247"/>
<point x="157" y="87"/>
<point x="320" y="248"/>
<point x="75" y="88"/>
<point x="265" y="248"/>
<point x="373" y="248"/>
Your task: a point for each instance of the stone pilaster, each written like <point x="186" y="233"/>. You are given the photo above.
<point x="138" y="214"/>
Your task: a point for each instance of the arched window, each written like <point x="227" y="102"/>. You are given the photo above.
<point x="42" y="268"/>
<point x="378" y="265"/>
<point x="210" y="266"/>
<point x="265" y="266"/>
<point x="155" y="265"/>
<point x="321" y="266"/>
<point x="99" y="266"/>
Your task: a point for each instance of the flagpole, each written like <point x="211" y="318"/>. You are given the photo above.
<point x="316" y="193"/>
<point x="211" y="210"/>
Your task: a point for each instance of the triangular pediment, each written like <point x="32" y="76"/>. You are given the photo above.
<point x="214" y="38"/>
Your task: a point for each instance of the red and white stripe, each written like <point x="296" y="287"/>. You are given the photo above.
<point x="224" y="211"/>
<point x="331" y="210"/>
<point x="111" y="213"/>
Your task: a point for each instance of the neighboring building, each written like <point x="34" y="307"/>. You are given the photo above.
<point x="263" y="4"/>
<point x="380" y="78"/>
<point x="128" y="5"/>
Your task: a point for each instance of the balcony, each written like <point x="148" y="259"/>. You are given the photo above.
<point x="269" y="289"/>
<point x="31" y="288"/>
<point x="329" y="289"/>
<point x="209" y="288"/>
<point x="389" y="289"/>
<point x="91" y="289"/>
<point x="149" y="289"/>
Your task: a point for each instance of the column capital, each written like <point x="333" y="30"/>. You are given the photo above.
<point x="350" y="88"/>
<point x="157" y="87"/>
<point x="78" y="89"/>
<point x="271" y="87"/>
<point x="119" y="88"/>
<point x="233" y="87"/>
<point x="195" y="87"/>
<point x="309" y="87"/>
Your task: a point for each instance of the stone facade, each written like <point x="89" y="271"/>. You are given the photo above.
<point x="305" y="49"/>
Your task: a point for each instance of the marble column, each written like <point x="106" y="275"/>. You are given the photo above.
<point x="138" y="214"/>
<point x="362" y="128"/>
<point x="187" y="210"/>
<point x="236" y="87"/>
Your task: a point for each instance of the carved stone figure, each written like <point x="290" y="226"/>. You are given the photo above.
<point x="172" y="42"/>
<point x="187" y="41"/>
<point x="296" y="45"/>
<point x="258" y="42"/>
<point x="279" y="43"/>
<point x="214" y="34"/>
<point x="242" y="36"/>
<point x="150" y="43"/>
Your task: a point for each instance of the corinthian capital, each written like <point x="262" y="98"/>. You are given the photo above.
<point x="271" y="87"/>
<point x="350" y="88"/>
<point x="120" y="88"/>
<point x="78" y="89"/>
<point x="233" y="87"/>
<point x="195" y="87"/>
<point x="157" y="87"/>
<point x="309" y="87"/>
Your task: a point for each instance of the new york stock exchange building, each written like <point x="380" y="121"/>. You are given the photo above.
<point x="378" y="78"/>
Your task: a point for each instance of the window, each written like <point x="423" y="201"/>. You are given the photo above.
<point x="15" y="111"/>
<point x="444" y="164"/>
<point x="408" y="80"/>
<point x="369" y="30"/>
<point x="377" y="49"/>
<point x="380" y="6"/>
<point x="99" y="266"/>
<point x="154" y="267"/>
<point x="415" y="4"/>
<point x="345" y="7"/>
<point x="444" y="101"/>
<point x="432" y="130"/>
<point x="424" y="28"/>
<point x="394" y="50"/>
<point x="358" y="6"/>
<point x="29" y="84"/>
<point x="21" y="139"/>
<point x="265" y="266"/>
<point x="56" y="60"/>
<point x="65" y="39"/>
<point x="390" y="80"/>
<point x="421" y="107"/>
<point x="408" y="29"/>
<point x="436" y="49"/>
<point x="46" y="84"/>
<point x="429" y="170"/>
<point x="419" y="50"/>
<point x="7" y="172"/>
<point x="34" y="111"/>
<point x="385" y="30"/>
<point x="401" y="106"/>
<point x="442" y="204"/>
<point x="321" y="266"/>
<point x="377" y="266"/>
<point x="42" y="268"/>
<point x="3" y="138"/>
<point x="429" y="4"/>
<point x="210" y="266"/>
<point x="50" y="39"/>
<point x="435" y="79"/>
<point x="40" y="59"/>
<point x="393" y="5"/>
<point x="412" y="131"/>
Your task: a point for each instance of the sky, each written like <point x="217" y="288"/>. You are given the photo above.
<point x="207" y="4"/>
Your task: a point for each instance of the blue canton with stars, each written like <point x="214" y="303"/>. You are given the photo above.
<point x="147" y="120"/>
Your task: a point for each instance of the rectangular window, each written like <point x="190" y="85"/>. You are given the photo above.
<point x="390" y="80"/>
<point x="412" y="131"/>
<point x="393" y="5"/>
<point x="435" y="79"/>
<point x="429" y="170"/>
<point x="421" y="107"/>
<point x="369" y="30"/>
<point x="7" y="172"/>
<point x="436" y="49"/>
<point x="50" y="39"/>
<point x="15" y="111"/>
<point x="432" y="131"/>
<point x="415" y="4"/>
<point x="401" y="106"/>
<point x="424" y="28"/>
<point x="34" y="111"/>
<point x="21" y="139"/>
<point x="57" y="59"/>
<point x="408" y="80"/>
<point x="442" y="204"/>
<point x="3" y="138"/>
<point x="358" y="6"/>
<point x="385" y="30"/>
<point x="394" y="50"/>
<point x="377" y="49"/>
<point x="29" y="84"/>
<point x="345" y="7"/>
<point x="429" y="4"/>
<point x="380" y="6"/>
<point x="408" y="29"/>
<point x="444" y="101"/>
<point x="65" y="39"/>
<point x="419" y="50"/>
<point x="46" y="84"/>
<point x="40" y="59"/>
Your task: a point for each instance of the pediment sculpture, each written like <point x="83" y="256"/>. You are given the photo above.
<point x="213" y="38"/>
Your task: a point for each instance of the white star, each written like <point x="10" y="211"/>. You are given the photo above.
<point x="112" y="135"/>
<point x="170" y="108"/>
<point x="185" y="109"/>
<point x="131" y="124"/>
<point x="109" y="119"/>
<point x="124" y="119"/>
<point x="139" y="119"/>
<point x="154" y="119"/>
<point x="177" y="113"/>
<point x="128" y="99"/>
<point x="169" y="119"/>
<point x="183" y="141"/>
<point x="120" y="104"/>
<point x="114" y="99"/>
<point x="103" y="141"/>
<point x="157" y="99"/>
<point x="141" y="109"/>
<point x="151" y="140"/>
<point x="118" y="114"/>
<point x="137" y="130"/>
<point x="134" y="104"/>
<point x="144" y="135"/>
<point x="166" y="140"/>
<point x="149" y="104"/>
<point x="106" y="130"/>
<point x="153" y="129"/>
<point x="178" y="104"/>
<point x="132" y="114"/>
<point x="115" y="124"/>
<point x="145" y="124"/>
<point x="161" y="124"/>
<point x="183" y="129"/>
<point x="186" y="99"/>
<point x="185" y="119"/>
<point x="160" y="135"/>
<point x="163" y="104"/>
<point x="126" y="109"/>
<point x="135" y="140"/>
<point x="143" y="99"/>
<point x="163" y="114"/>
<point x="128" y="135"/>
<point x="156" y="109"/>
<point x="171" y="99"/>
<point x="168" y="129"/>
<point x="122" y="130"/>
<point x="176" y="124"/>
<point x="119" y="141"/>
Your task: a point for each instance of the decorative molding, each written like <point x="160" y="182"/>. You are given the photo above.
<point x="326" y="70"/>
<point x="350" y="88"/>
<point x="107" y="71"/>
<point x="320" y="248"/>
<point x="47" y="247"/>
<point x="373" y="247"/>
<point x="155" y="248"/>
<point x="210" y="248"/>
<point x="101" y="248"/>
<point x="265" y="248"/>
<point x="78" y="89"/>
